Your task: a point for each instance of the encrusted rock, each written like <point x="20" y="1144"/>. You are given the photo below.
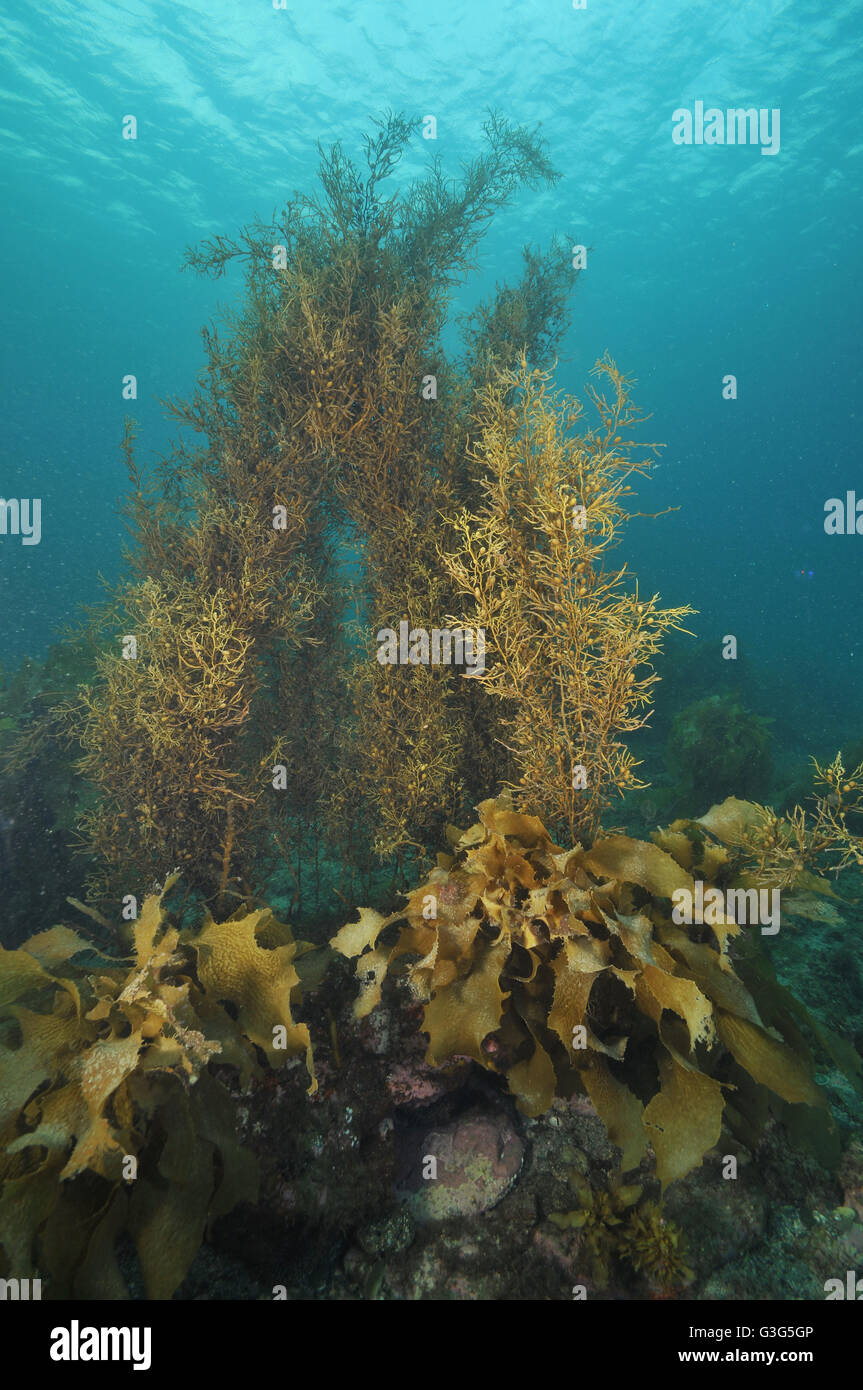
<point x="388" y="1236"/>
<point x="477" y="1159"/>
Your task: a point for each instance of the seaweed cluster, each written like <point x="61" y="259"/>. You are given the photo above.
<point x="785" y="849"/>
<point x="113" y="1121"/>
<point x="234" y="718"/>
<point x="615" y="1228"/>
<point x="569" y="972"/>
<point x="178" y="728"/>
<point x="569" y="640"/>
<point x="339" y="476"/>
<point x="654" y="1247"/>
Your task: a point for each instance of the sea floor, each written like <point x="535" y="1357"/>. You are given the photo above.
<point x="345" y="1212"/>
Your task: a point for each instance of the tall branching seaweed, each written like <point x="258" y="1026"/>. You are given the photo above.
<point x="307" y="487"/>
<point x="569" y="639"/>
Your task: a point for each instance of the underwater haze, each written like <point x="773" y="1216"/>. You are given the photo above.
<point x="704" y="261"/>
<point x="687" y="176"/>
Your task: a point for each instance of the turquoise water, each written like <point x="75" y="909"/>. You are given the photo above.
<point x="704" y="260"/>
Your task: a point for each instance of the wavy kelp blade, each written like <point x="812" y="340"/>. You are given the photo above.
<point x="502" y="820"/>
<point x="842" y="1053"/>
<point x="45" y="1038"/>
<point x="371" y="972"/>
<point x="63" y="1114"/>
<point x="620" y="1111"/>
<point x="57" y="945"/>
<point x="462" y="1014"/>
<point x="635" y="861"/>
<point x="167" y="1224"/>
<point x="712" y="974"/>
<point x="731" y="820"/>
<point x="782" y="1004"/>
<point x="533" y="1081"/>
<point x="312" y="965"/>
<point x="355" y="937"/>
<point x="231" y="965"/>
<point x="102" y="1068"/>
<point x="24" y="1204"/>
<point x="683" y="1120"/>
<point x="65" y="1236"/>
<point x="675" y="843"/>
<point x="768" y="1061"/>
<point x="215" y="1119"/>
<point x="147" y="926"/>
<point x="682" y="997"/>
<point x="19" y="973"/>
<point x="572" y="986"/>
<point x="99" y="1275"/>
<point x="98" y="1151"/>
